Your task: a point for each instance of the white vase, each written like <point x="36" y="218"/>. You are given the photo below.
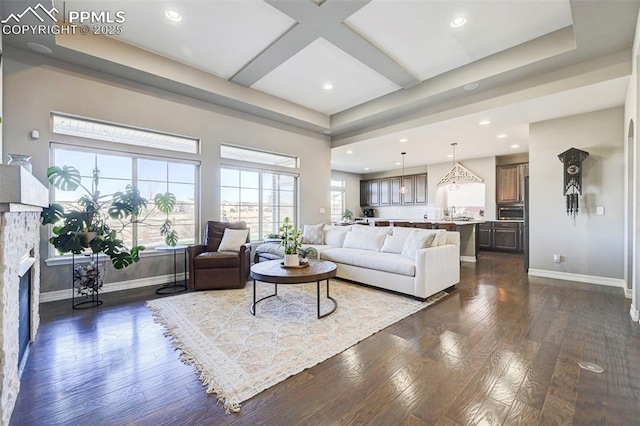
<point x="291" y="260"/>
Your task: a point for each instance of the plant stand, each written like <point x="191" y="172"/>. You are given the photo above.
<point x="87" y="282"/>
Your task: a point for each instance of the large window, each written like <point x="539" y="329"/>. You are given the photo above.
<point x="261" y="198"/>
<point x="151" y="175"/>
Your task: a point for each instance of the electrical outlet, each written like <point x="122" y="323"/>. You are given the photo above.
<point x="557" y="258"/>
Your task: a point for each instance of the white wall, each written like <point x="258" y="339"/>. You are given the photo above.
<point x="351" y="190"/>
<point x="591" y="245"/>
<point x="34" y="86"/>
<point x="484" y="168"/>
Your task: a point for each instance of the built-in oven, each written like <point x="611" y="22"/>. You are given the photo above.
<point x="511" y="212"/>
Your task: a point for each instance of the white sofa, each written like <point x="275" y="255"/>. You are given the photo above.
<point x="388" y="257"/>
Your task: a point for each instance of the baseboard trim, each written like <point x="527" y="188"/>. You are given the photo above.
<point x="52" y="296"/>
<point x="635" y="314"/>
<point x="628" y="293"/>
<point x="470" y="259"/>
<point x="590" y="279"/>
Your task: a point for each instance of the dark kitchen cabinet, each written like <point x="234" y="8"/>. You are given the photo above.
<point x="396" y="199"/>
<point x="510" y="183"/>
<point x="421" y="189"/>
<point x="409" y="196"/>
<point x="374" y="192"/>
<point x="485" y="232"/>
<point x="384" y="192"/>
<point x="364" y="192"/>
<point x="501" y="236"/>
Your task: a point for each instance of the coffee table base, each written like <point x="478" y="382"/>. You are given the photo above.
<point x="253" y="305"/>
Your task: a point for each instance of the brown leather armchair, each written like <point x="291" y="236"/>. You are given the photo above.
<point x="210" y="269"/>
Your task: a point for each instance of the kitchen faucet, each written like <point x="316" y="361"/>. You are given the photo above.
<point x="453" y="212"/>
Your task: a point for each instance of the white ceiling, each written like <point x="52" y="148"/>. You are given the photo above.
<point x="397" y="66"/>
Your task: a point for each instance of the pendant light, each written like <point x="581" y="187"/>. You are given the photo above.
<point x="403" y="189"/>
<point x="454" y="184"/>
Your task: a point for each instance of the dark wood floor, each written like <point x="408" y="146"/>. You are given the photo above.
<point x="503" y="349"/>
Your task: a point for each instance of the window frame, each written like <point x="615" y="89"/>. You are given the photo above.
<point x="260" y="170"/>
<point x="54" y="258"/>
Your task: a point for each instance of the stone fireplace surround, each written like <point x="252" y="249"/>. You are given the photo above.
<point x="22" y="197"/>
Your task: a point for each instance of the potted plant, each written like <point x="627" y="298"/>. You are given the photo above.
<point x="304" y="253"/>
<point x="347" y="216"/>
<point x="96" y="225"/>
<point x="291" y="242"/>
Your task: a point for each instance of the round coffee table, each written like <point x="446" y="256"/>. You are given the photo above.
<point x="275" y="273"/>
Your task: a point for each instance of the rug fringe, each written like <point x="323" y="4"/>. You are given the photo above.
<point x="208" y="381"/>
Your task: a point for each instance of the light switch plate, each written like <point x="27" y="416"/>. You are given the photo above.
<point x="321" y="210"/>
<point x="600" y="211"/>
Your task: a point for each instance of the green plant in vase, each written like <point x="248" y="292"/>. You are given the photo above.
<point x="291" y="237"/>
<point x="97" y="222"/>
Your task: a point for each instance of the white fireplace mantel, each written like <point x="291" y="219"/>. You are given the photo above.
<point x="20" y="190"/>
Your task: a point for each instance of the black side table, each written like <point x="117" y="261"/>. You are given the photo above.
<point x="175" y="287"/>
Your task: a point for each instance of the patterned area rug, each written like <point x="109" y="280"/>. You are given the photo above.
<point x="239" y="355"/>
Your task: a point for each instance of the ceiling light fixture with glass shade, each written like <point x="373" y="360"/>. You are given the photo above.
<point x="173" y="15"/>
<point x="403" y="189"/>
<point x="454" y="185"/>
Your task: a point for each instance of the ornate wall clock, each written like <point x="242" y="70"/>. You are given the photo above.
<point x="572" y="159"/>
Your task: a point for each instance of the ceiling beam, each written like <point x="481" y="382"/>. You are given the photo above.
<point x="322" y="21"/>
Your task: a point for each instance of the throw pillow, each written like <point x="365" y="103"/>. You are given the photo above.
<point x="373" y="229"/>
<point x="415" y="242"/>
<point x="402" y="231"/>
<point x="394" y="244"/>
<point x="364" y="240"/>
<point x="233" y="239"/>
<point x="441" y="237"/>
<point x="335" y="237"/>
<point x="313" y="234"/>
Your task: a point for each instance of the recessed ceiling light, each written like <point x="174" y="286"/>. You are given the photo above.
<point x="458" y="22"/>
<point x="484" y="122"/>
<point x="366" y="168"/>
<point x="327" y="86"/>
<point x="404" y="140"/>
<point x="471" y="86"/>
<point x="349" y="152"/>
<point x="449" y="155"/>
<point x="501" y="136"/>
<point x="515" y="146"/>
<point x="173" y="15"/>
<point x="327" y="132"/>
<point x="39" y="48"/>
<point x="397" y="164"/>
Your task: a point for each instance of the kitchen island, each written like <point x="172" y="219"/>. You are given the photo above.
<point x="468" y="230"/>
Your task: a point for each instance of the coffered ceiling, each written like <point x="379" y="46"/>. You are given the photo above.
<point x="398" y="69"/>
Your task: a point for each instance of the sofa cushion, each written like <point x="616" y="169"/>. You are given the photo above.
<point x="402" y="231"/>
<point x="364" y="240"/>
<point x="217" y="259"/>
<point x="387" y="262"/>
<point x="373" y="229"/>
<point x="233" y="239"/>
<point x="335" y="237"/>
<point x="417" y="241"/>
<point x="313" y="234"/>
<point x="393" y="244"/>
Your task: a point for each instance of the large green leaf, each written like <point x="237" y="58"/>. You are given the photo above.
<point x="165" y="228"/>
<point x="171" y="239"/>
<point x="122" y="260"/>
<point x="135" y="252"/>
<point x="165" y="202"/>
<point x="128" y="202"/>
<point x="65" y="178"/>
<point x="52" y="214"/>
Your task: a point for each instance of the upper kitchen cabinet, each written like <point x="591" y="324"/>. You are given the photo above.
<point x="374" y="192"/>
<point x="510" y="183"/>
<point x="409" y="183"/>
<point x="421" y="189"/>
<point x="384" y="192"/>
<point x="395" y="183"/>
